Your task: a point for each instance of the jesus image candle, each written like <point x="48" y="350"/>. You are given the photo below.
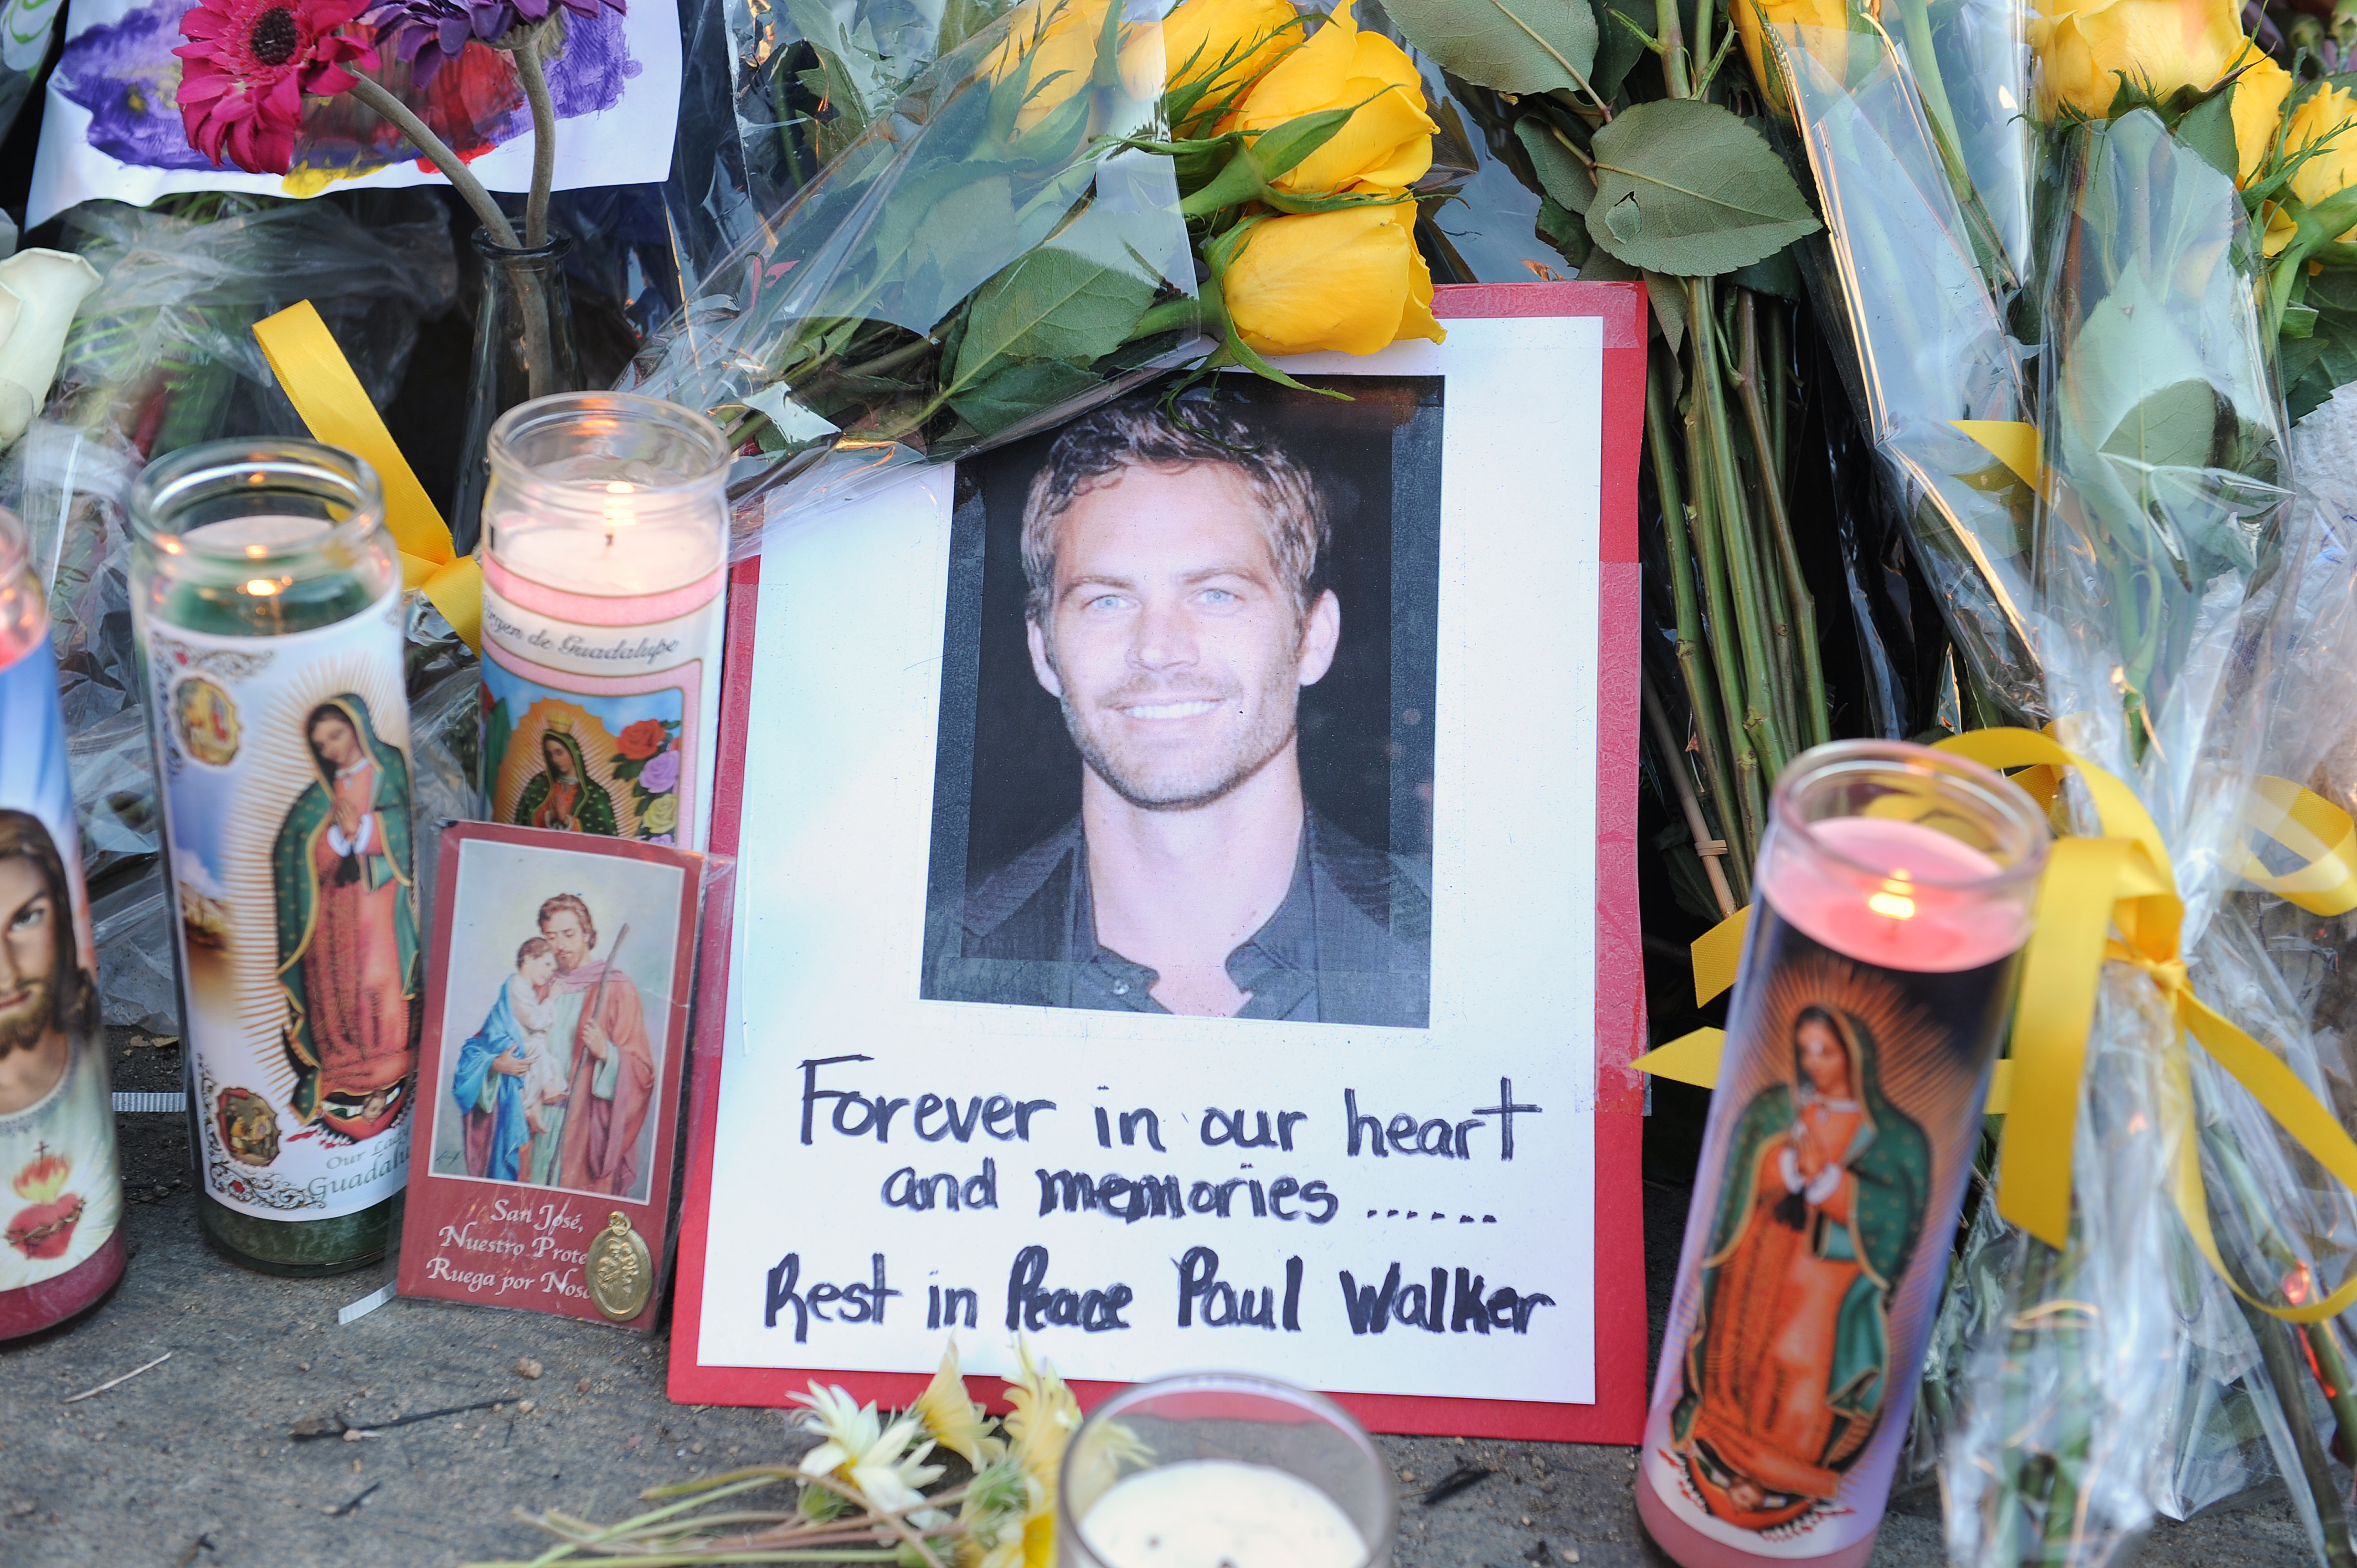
<point x="1895" y="889"/>
<point x="605" y="532"/>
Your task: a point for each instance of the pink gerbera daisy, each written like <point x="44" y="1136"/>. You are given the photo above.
<point x="250" y="64"/>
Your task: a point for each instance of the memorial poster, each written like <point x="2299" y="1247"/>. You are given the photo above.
<point x="1186" y="907"/>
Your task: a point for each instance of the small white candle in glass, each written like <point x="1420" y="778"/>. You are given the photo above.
<point x="1222" y="1470"/>
<point x="604" y="556"/>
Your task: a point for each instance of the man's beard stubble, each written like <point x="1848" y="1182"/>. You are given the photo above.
<point x="21" y="1027"/>
<point x="1246" y="755"/>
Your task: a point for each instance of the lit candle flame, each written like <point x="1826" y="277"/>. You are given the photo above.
<point x="261" y="587"/>
<point x="1894" y="902"/>
<point x="618" y="511"/>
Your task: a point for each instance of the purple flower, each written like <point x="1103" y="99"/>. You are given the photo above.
<point x="661" y="775"/>
<point x="425" y="34"/>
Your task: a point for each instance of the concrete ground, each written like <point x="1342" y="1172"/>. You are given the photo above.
<point x="193" y="1463"/>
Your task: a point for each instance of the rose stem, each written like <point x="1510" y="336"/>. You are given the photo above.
<point x="1749" y="803"/>
<point x="1780" y="526"/>
<point x="1696" y="673"/>
<point x="1673" y="765"/>
<point x="1743" y="570"/>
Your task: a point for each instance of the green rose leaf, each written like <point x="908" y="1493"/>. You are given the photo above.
<point x="1683" y="187"/>
<point x="1513" y="46"/>
<point x="1561" y="227"/>
<point x="2176" y="427"/>
<point x="1561" y="174"/>
<point x="1017" y="392"/>
<point x="2208" y="130"/>
<point x="1780" y="274"/>
<point x="1052" y="304"/>
<point x="1618" y="46"/>
<point x="1666" y="297"/>
<point x="1625" y="222"/>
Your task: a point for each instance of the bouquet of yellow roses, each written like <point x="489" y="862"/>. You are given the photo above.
<point x="2140" y="1363"/>
<point x="1064" y="205"/>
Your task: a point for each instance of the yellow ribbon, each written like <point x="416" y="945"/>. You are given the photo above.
<point x="336" y="409"/>
<point x="2114" y="898"/>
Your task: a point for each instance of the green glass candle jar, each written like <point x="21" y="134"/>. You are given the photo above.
<point x="266" y="600"/>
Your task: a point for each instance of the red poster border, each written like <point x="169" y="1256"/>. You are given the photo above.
<point x="1617" y="1414"/>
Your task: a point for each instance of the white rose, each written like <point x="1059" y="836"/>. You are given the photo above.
<point x="39" y="292"/>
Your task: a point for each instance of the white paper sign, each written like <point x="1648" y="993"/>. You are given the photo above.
<point x="112" y="127"/>
<point x="1390" y="1206"/>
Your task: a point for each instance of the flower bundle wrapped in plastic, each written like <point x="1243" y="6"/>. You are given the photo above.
<point x="1915" y="278"/>
<point x="1064" y="205"/>
<point x="2163" y="1234"/>
<point x="2156" y="1224"/>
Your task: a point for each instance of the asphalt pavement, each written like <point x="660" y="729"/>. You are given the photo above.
<point x="196" y="1462"/>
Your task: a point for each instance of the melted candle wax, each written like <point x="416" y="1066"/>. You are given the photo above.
<point x="1218" y="1513"/>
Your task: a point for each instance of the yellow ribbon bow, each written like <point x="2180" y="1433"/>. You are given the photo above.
<point x="2114" y="898"/>
<point x="336" y="409"/>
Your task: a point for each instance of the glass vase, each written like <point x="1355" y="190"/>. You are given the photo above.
<point x="524" y="348"/>
<point x="266" y="604"/>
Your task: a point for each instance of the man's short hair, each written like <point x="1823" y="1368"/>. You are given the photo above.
<point x="73" y="993"/>
<point x="581" y="911"/>
<point x="1142" y="433"/>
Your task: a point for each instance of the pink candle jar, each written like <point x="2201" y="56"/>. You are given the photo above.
<point x="1896" y="886"/>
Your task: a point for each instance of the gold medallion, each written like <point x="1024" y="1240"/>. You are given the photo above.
<point x="620" y="1274"/>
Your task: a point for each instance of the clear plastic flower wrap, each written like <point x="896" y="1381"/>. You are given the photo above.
<point x="1070" y="201"/>
<point x="161" y="357"/>
<point x="824" y="348"/>
<point x="1910" y="280"/>
<point x="2177" y="617"/>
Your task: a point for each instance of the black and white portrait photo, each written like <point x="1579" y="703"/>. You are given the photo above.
<point x="1185" y="760"/>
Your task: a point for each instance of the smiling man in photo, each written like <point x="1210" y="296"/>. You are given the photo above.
<point x="1175" y="611"/>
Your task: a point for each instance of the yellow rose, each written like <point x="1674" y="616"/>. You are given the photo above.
<point x="1349" y="280"/>
<point x="1059" y="43"/>
<point x="1225" y="43"/>
<point x="1387" y="143"/>
<point x="2162" y="45"/>
<point x="1828" y="40"/>
<point x="2259" y="94"/>
<point x="659" y="815"/>
<point x="2329" y="110"/>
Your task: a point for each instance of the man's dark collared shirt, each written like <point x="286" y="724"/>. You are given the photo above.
<point x="1350" y="944"/>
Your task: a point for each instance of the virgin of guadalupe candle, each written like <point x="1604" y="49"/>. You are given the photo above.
<point x="604" y="551"/>
<point x="267" y="600"/>
<point x="60" y="1194"/>
<point x="1895" y="890"/>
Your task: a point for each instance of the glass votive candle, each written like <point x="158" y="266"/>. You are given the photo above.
<point x="267" y="602"/>
<point x="1222" y="1470"/>
<point x="605" y="555"/>
<point x="60" y="1191"/>
<point x="1896" y="887"/>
